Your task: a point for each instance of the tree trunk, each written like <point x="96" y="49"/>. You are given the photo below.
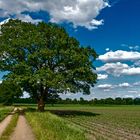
<point x="42" y="98"/>
<point x="41" y="105"/>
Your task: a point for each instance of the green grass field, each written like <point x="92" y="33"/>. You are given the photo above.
<point x="70" y="122"/>
<point x="48" y="126"/>
<point x="4" y="112"/>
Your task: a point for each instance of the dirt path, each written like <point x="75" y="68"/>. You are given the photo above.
<point x="22" y="130"/>
<point x="4" y="124"/>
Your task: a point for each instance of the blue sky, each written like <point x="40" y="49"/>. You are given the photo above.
<point x="111" y="27"/>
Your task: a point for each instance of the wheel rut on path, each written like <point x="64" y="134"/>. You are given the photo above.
<point x="22" y="131"/>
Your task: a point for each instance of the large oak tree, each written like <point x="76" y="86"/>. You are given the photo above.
<point x="43" y="59"/>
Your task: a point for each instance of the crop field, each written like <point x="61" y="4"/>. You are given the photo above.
<point x="110" y="123"/>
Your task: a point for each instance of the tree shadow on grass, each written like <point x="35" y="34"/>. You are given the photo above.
<point x="67" y="113"/>
<point x="29" y="109"/>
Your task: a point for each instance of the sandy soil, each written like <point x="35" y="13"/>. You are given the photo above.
<point x="5" y="123"/>
<point x="22" y="130"/>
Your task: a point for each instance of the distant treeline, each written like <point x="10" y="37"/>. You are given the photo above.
<point x="109" y="101"/>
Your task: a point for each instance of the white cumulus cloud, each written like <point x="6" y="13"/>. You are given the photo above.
<point x="113" y="68"/>
<point x="108" y="87"/>
<point x="78" y="12"/>
<point x="118" y="69"/>
<point x="124" y="85"/>
<point x="25" y="95"/>
<point x="131" y="71"/>
<point x="119" y="55"/>
<point x="27" y="18"/>
<point x="105" y="86"/>
<point x="107" y="49"/>
<point x="102" y="76"/>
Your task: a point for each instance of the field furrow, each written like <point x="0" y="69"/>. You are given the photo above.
<point x="95" y="130"/>
<point x="112" y="130"/>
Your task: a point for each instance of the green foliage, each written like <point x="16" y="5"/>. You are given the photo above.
<point x="55" y="99"/>
<point x="44" y="58"/>
<point x="9" y="91"/>
<point x="116" y="101"/>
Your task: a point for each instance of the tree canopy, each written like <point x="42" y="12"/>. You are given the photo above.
<point x="44" y="59"/>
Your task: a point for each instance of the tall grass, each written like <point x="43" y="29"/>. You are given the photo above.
<point x="47" y="126"/>
<point x="4" y="112"/>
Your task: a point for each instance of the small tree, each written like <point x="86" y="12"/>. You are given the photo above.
<point x="44" y="59"/>
<point x="9" y="91"/>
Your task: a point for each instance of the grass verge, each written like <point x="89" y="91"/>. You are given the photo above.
<point x="4" y="112"/>
<point x="10" y="128"/>
<point x="47" y="126"/>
